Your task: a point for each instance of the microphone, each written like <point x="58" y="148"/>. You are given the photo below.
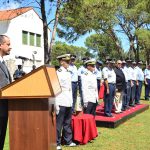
<point x="21" y="57"/>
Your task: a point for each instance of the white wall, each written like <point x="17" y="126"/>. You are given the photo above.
<point x="30" y="22"/>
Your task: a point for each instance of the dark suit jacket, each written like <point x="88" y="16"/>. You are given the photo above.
<point x="120" y="79"/>
<point x="5" y="79"/>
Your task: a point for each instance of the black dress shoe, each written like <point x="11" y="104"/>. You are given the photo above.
<point x="128" y="107"/>
<point x="108" y="115"/>
<point x="123" y="109"/>
<point x="138" y="104"/>
<point x="132" y="105"/>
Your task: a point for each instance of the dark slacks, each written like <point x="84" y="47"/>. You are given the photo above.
<point x="74" y="94"/>
<point x="138" y="92"/>
<point x="147" y="89"/>
<point x="98" y="85"/>
<point x="63" y="125"/>
<point x="133" y="91"/>
<point x="80" y="90"/>
<point x="128" y="92"/>
<point x="109" y="99"/>
<point x="91" y="108"/>
<point x="124" y="98"/>
<point x="3" y="127"/>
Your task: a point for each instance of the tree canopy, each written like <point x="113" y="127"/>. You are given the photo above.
<point x="110" y="17"/>
<point x="62" y="48"/>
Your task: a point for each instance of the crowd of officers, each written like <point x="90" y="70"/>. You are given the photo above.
<point x="122" y="82"/>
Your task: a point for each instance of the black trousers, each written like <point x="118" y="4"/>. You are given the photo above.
<point x="3" y="127"/>
<point x="98" y="85"/>
<point x="91" y="108"/>
<point x="74" y="94"/>
<point x="63" y="125"/>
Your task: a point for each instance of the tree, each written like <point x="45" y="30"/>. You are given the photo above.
<point x="110" y="17"/>
<point x="62" y="48"/>
<point x="103" y="45"/>
<point x="144" y="42"/>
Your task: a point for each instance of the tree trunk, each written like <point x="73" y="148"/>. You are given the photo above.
<point x="45" y="33"/>
<point x="132" y="48"/>
<point x="148" y="56"/>
<point x="137" y="49"/>
<point x="54" y="27"/>
<point x="115" y="39"/>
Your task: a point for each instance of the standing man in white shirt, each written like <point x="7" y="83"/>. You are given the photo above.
<point x="74" y="79"/>
<point x="129" y="71"/>
<point x="81" y="70"/>
<point x="110" y="87"/>
<point x="89" y="88"/>
<point x="127" y="86"/>
<point x="64" y="103"/>
<point x="140" y="78"/>
<point x="98" y="73"/>
<point x="147" y="82"/>
<point x="134" y="83"/>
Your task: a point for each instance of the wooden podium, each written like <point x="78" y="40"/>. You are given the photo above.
<point x="32" y="123"/>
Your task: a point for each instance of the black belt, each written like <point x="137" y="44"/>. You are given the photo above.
<point x="74" y="82"/>
<point x="112" y="83"/>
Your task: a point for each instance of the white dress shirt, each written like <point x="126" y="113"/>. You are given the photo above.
<point x="147" y="73"/>
<point x="89" y="87"/>
<point x="125" y="72"/>
<point x="109" y="74"/>
<point x="74" y="73"/>
<point x="81" y="70"/>
<point x="98" y="74"/>
<point x="134" y="74"/>
<point x="1" y="59"/>
<point x="131" y="74"/>
<point x="139" y="73"/>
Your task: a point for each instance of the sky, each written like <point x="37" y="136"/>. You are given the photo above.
<point x="79" y="42"/>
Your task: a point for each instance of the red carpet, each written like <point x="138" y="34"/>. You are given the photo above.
<point x="113" y="122"/>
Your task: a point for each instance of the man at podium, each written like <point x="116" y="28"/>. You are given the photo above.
<point x="64" y="103"/>
<point x="5" y="79"/>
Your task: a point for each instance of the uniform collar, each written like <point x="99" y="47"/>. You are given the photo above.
<point x="137" y="67"/>
<point x="64" y="69"/>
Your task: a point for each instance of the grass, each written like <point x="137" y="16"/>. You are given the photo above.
<point x="132" y="135"/>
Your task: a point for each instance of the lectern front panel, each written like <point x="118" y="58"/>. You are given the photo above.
<point x="31" y="125"/>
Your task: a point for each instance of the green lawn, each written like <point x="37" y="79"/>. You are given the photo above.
<point x="132" y="135"/>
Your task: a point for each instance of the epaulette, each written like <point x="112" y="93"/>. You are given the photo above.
<point x="86" y="73"/>
<point x="70" y="71"/>
<point x="60" y="70"/>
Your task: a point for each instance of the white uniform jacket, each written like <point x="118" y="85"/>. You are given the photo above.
<point x="65" y="97"/>
<point x="89" y="87"/>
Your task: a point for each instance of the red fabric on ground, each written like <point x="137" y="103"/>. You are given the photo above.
<point x="101" y="92"/>
<point x="84" y="128"/>
<point x="100" y="113"/>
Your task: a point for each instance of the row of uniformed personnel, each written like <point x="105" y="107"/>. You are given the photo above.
<point x="89" y="77"/>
